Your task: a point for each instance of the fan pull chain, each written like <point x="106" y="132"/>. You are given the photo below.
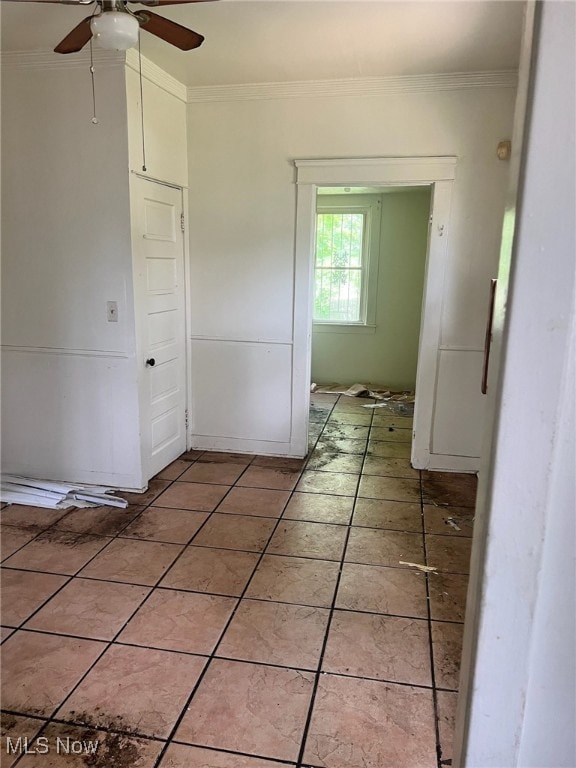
<point x="141" y="104"/>
<point x="94" y="118"/>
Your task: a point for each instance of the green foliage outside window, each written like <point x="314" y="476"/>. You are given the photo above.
<point x="338" y="267"/>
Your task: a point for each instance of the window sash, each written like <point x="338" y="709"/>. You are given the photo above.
<point x="361" y="270"/>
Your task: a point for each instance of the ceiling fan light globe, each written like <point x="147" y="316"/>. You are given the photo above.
<point x="115" y="30"/>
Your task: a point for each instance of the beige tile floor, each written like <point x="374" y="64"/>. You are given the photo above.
<point x="245" y="612"/>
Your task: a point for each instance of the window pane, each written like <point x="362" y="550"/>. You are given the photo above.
<point x="321" y="296"/>
<point x="355" y="290"/>
<point x="338" y="272"/>
<point x="323" y="241"/>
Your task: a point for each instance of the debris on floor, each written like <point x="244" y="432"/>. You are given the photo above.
<point x="426" y="568"/>
<point x="53" y="495"/>
<point x="362" y="390"/>
<point x="397" y="403"/>
<point x="396" y="407"/>
<point x="239" y="594"/>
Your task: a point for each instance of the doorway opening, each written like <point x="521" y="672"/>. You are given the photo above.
<point x="432" y="176"/>
<point x="368" y="278"/>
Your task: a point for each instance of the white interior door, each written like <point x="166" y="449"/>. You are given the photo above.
<point x="160" y="298"/>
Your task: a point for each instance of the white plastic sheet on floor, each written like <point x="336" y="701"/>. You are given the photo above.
<point x="362" y="390"/>
<point x="46" y="493"/>
<point x="397" y="403"/>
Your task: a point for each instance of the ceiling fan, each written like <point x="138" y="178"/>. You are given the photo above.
<point x="114" y="26"/>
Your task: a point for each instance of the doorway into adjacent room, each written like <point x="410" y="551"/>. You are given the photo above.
<point x="370" y="308"/>
<point x="369" y="267"/>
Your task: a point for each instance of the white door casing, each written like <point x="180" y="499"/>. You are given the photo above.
<point x="160" y="305"/>
<point x="437" y="172"/>
<point x="516" y="705"/>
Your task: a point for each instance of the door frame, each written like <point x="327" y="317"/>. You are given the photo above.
<point x="499" y="627"/>
<point x="435" y="172"/>
<point x="135" y="177"/>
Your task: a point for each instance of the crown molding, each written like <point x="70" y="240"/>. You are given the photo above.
<point x="155" y="74"/>
<point x="367" y="86"/>
<point x="51" y="60"/>
<point x="298" y="89"/>
<point x="81" y="60"/>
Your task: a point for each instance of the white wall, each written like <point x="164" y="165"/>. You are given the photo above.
<point x="519" y="702"/>
<point x="165" y="135"/>
<point x="69" y="382"/>
<point x="71" y="379"/>
<point x="548" y="732"/>
<point x="242" y="214"/>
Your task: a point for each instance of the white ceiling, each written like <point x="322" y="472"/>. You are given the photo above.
<point x="253" y="41"/>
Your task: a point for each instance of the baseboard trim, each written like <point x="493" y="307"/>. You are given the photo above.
<point x="442" y="463"/>
<point x="242" y="445"/>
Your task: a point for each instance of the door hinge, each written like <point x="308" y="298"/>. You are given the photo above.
<point x="186" y="418"/>
<point x="182" y="221"/>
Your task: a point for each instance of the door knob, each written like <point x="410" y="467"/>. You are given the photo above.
<point x="151" y="362"/>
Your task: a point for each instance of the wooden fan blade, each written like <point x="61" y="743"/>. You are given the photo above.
<point x="77" y="39"/>
<point x="173" y="33"/>
<point x="153" y="3"/>
<point x="64" y="2"/>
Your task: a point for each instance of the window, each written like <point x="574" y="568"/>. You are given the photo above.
<point x="343" y="267"/>
<point x="338" y="268"/>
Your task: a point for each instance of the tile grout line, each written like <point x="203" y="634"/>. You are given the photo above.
<point x="69" y="577"/>
<point x="78" y="534"/>
<point x="212" y="655"/>
<point x="109" y="643"/>
<point x="39" y="533"/>
<point x="235" y="753"/>
<point x="239" y="599"/>
<point x="77" y="573"/>
<point x="120" y="534"/>
<point x="51" y="718"/>
<point x="209" y="657"/>
<point x="182" y="544"/>
<point x="151" y="591"/>
<point x="22" y="625"/>
<point x="430" y="644"/>
<point x="246" y="551"/>
<point x="311" y="706"/>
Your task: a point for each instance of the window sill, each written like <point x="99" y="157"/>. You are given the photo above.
<point x="343" y="328"/>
